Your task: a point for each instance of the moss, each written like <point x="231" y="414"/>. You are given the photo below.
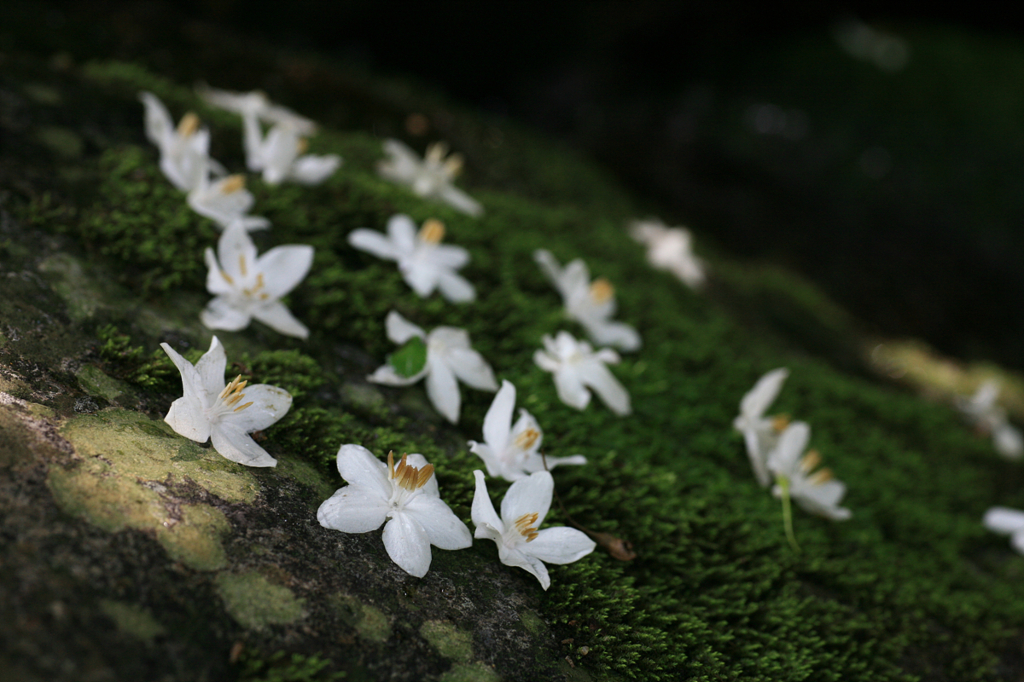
<point x="469" y="672"/>
<point x="370" y="622"/>
<point x="255" y="602"/>
<point x="96" y="383"/>
<point x="448" y="640"/>
<point x="133" y="619"/>
<point x="280" y="667"/>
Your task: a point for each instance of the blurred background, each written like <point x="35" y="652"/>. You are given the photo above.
<point x="877" y="152"/>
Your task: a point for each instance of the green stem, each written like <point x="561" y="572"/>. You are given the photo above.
<point x="787" y="512"/>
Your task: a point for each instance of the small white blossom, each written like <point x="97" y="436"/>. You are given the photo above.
<point x="225" y="201"/>
<point x="406" y="496"/>
<point x="759" y="434"/>
<point x="592" y="304"/>
<point x="281" y="156"/>
<point x="818" y="493"/>
<point x="425" y="263"/>
<point x="430" y="177"/>
<point x="989" y="417"/>
<point x="247" y="286"/>
<point x="670" y="248"/>
<point x="224" y="414"/>
<point x="512" y="452"/>
<point x="1007" y="522"/>
<point x="522" y="511"/>
<point x="184" y="151"/>
<point x="257" y="104"/>
<point x="449" y="358"/>
<point x="578" y="368"/>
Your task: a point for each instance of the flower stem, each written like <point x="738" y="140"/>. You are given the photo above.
<point x="787" y="512"/>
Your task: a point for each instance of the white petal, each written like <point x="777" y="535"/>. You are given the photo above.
<point x="598" y="377"/>
<point x="216" y="282"/>
<point x="1004" y="520"/>
<point x="445" y="256"/>
<point x="459" y="200"/>
<point x="550" y="266"/>
<point x="447" y="338"/>
<point x="280" y="319"/>
<point x="487" y="454"/>
<point x="455" y="288"/>
<point x="400" y="330"/>
<point x="159" y="124"/>
<point x="757" y="456"/>
<point x="498" y="420"/>
<point x="559" y="545"/>
<point x="373" y="242"/>
<point x="358" y="466"/>
<point x="443" y="390"/>
<point x="191" y="381"/>
<point x="546" y="361"/>
<point x="443" y="528"/>
<point x="471" y="369"/>
<point x="284" y="267"/>
<point x="211" y="368"/>
<point x="386" y="374"/>
<point x="570" y="388"/>
<point x="823" y="499"/>
<point x="534" y="462"/>
<point x="785" y="458"/>
<point x="187" y="418"/>
<point x="574" y="281"/>
<point x="312" y="169"/>
<point x="1017" y="542"/>
<point x="408" y="544"/>
<point x="525" y="561"/>
<point x="402" y="231"/>
<point x="526" y="496"/>
<point x="252" y="136"/>
<point x="1008" y="441"/>
<point x="419" y="461"/>
<point x="269" y="405"/>
<point x="483" y="513"/>
<point x="233" y="443"/>
<point x="353" y="509"/>
<point x="757" y="400"/>
<point x="618" y="334"/>
<point x="221" y="314"/>
<point x="420" y="276"/>
<point x="237" y="253"/>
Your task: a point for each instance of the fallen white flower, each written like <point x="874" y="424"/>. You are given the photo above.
<point x="225" y="201"/>
<point x="590" y="303"/>
<point x="430" y="177"/>
<point x="1007" y="522"/>
<point x="257" y="104"/>
<point x="425" y="263"/>
<point x="512" y="452"/>
<point x="759" y="434"/>
<point x="670" y="248"/>
<point x="406" y="496"/>
<point x="576" y="367"/>
<point x="522" y="511"/>
<point x="212" y="410"/>
<point x="818" y="493"/>
<point x="448" y="357"/>
<point x="184" y="151"/>
<point x="281" y="156"/>
<point x="989" y="417"/>
<point x="246" y="286"/>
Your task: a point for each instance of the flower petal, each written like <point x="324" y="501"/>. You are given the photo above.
<point x="353" y="509"/>
<point x="570" y="388"/>
<point x="421" y="276"/>
<point x="610" y="333"/>
<point x="454" y="287"/>
<point x="386" y="374"/>
<point x="526" y="496"/>
<point x="442" y="389"/>
<point x="374" y="243"/>
<point x="456" y="198"/>
<point x="447" y="256"/>
<point x="269" y="405"/>
<point x="187" y="418"/>
<point x="280" y="319"/>
<point x="527" y="562"/>
<point x="211" y="368"/>
<point x="1004" y="520"/>
<point x="471" y="368"/>
<point x="443" y="528"/>
<point x="559" y="545"/>
<point x="284" y="267"/>
<point x="419" y="461"/>
<point x="498" y="420"/>
<point x="785" y="458"/>
<point x="400" y="330"/>
<point x="313" y="169"/>
<point x="402" y="231"/>
<point x="216" y="282"/>
<point x="550" y="266"/>
<point x="237" y="253"/>
<point x="763" y="394"/>
<point x="483" y="513"/>
<point x="408" y="544"/>
<point x="221" y="314"/>
<point x="192" y="384"/>
<point x="232" y="442"/>
<point x="359" y="467"/>
<point x="596" y="375"/>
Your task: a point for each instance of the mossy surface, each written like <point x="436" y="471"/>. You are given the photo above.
<point x="911" y="588"/>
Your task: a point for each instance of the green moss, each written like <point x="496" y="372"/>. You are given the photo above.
<point x="280" y="667"/>
<point x="255" y="602"/>
<point x="369" y="622"/>
<point x="96" y="383"/>
<point x="448" y="640"/>
<point x="133" y="619"/>
<point x="469" y="672"/>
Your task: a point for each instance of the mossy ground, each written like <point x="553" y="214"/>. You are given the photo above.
<point x="912" y="588"/>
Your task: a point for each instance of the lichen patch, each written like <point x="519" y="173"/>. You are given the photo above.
<point x="255" y="602"/>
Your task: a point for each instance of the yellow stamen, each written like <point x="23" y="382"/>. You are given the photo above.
<point x="242" y="407"/>
<point x="601" y="290"/>
<point x="188" y="125"/>
<point x="302" y="145"/>
<point x="809" y="461"/>
<point x="232" y="387"/>
<point x="436" y="152"/>
<point x="780" y="422"/>
<point x="823" y="476"/>
<point x="526" y="439"/>
<point x="432" y="231"/>
<point x="242" y="266"/>
<point x="406" y="475"/>
<point x="525" y="525"/>
<point x="227" y="277"/>
<point x="453" y="165"/>
<point x="232" y="184"/>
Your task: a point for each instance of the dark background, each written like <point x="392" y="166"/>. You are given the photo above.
<point x="897" y="190"/>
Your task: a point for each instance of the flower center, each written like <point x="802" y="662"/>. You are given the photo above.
<point x="526" y="526"/>
<point x="232" y="184"/>
<point x="406" y="476"/>
<point x="188" y="125"/>
<point x="432" y="231"/>
<point x="780" y="422"/>
<point x="232" y="395"/>
<point x="527" y="439"/>
<point x="807" y="464"/>
<point x="434" y="158"/>
<point x="301" y="145"/>
<point x="601" y="290"/>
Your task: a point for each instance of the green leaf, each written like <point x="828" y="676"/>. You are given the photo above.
<point x="410" y="358"/>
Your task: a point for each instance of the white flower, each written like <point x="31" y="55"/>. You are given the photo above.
<point x="224" y="414"/>
<point x="1008" y="522"/>
<point x="989" y="417"/>
<point x="512" y="451"/>
<point x="406" y="496"/>
<point x="670" y="248"/>
<point x="576" y="366"/>
<point x="818" y="493"/>
<point x="247" y="286"/>
<point x="184" y="151"/>
<point x="225" y="201"/>
<point x="278" y="156"/>
<point x="257" y="104"/>
<point x="760" y="434"/>
<point x="425" y="263"/>
<point x="589" y="303"/>
<point x="522" y="511"/>
<point x="448" y="357"/>
<point x="430" y="177"/>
